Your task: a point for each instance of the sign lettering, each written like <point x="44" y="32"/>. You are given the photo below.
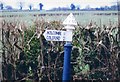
<point x="56" y="35"/>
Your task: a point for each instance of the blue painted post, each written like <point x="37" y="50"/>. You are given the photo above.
<point x="67" y="66"/>
<point x="69" y="23"/>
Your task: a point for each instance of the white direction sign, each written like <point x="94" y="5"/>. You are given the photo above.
<point x="56" y="35"/>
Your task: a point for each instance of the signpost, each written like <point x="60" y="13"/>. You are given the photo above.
<point x="56" y="35"/>
<point x="69" y="23"/>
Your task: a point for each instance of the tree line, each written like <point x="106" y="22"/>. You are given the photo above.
<point x="72" y="7"/>
<point x="75" y="7"/>
<point x="8" y="7"/>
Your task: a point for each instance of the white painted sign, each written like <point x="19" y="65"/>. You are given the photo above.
<point x="70" y="20"/>
<point x="56" y="35"/>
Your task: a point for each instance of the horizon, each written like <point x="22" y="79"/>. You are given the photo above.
<point x="49" y="4"/>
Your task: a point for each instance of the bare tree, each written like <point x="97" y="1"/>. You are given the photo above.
<point x="30" y="7"/>
<point x="21" y="5"/>
<point x="40" y="6"/>
<point x="1" y="6"/>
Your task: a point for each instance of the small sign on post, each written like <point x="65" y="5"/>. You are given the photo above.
<point x="57" y="35"/>
<point x="70" y="21"/>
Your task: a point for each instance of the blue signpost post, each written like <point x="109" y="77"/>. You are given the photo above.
<point x="57" y="35"/>
<point x="69" y="23"/>
<point x="67" y="66"/>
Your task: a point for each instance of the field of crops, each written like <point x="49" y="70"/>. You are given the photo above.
<point x="28" y="56"/>
<point x="82" y="17"/>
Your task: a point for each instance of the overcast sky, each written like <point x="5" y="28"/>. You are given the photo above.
<point x="48" y="4"/>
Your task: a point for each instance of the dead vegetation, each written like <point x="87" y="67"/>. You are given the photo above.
<point x="28" y="56"/>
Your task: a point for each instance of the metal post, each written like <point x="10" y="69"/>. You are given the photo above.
<point x="67" y="66"/>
